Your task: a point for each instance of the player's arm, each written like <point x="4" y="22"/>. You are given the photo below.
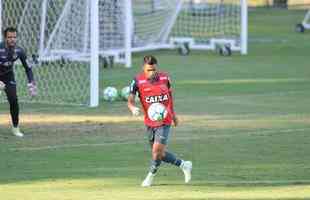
<point x="31" y="83"/>
<point x="28" y="70"/>
<point x="131" y="99"/>
<point x="174" y="116"/>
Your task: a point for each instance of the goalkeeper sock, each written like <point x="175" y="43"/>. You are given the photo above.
<point x="154" y="166"/>
<point x="170" y="158"/>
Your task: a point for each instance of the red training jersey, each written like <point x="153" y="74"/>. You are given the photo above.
<point x="157" y="90"/>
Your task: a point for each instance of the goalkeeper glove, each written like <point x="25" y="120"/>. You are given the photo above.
<point x="32" y="89"/>
<point x="2" y="85"/>
<point x="135" y="111"/>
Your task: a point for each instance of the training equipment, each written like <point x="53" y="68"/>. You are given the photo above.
<point x="125" y="93"/>
<point x="67" y="40"/>
<point x="305" y="25"/>
<point x="110" y="94"/>
<point x="219" y="25"/>
<point x="157" y="112"/>
<point x="186" y="167"/>
<point x="147" y="182"/>
<point x="181" y="24"/>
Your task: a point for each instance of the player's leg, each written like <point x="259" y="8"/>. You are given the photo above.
<point x="186" y="166"/>
<point x="11" y="93"/>
<point x="170" y="158"/>
<point x="155" y="163"/>
<point x="158" y="138"/>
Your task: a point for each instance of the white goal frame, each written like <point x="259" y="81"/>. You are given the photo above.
<point x="92" y="50"/>
<point x="92" y="57"/>
<point x="306" y="20"/>
<point x="172" y="42"/>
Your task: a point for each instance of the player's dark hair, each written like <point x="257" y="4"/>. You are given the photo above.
<point x="9" y="29"/>
<point x="150" y="60"/>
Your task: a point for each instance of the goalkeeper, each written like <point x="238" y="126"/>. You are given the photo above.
<point x="154" y="86"/>
<point x="9" y="53"/>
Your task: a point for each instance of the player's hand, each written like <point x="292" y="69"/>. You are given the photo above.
<point x="32" y="89"/>
<point x="135" y="111"/>
<point x="2" y="85"/>
<point x="175" y="120"/>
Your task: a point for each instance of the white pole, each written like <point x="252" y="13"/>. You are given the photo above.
<point x="244" y="27"/>
<point x="169" y="25"/>
<point x="1" y="20"/>
<point x="306" y="19"/>
<point x="94" y="56"/>
<point x="128" y="31"/>
<point x="42" y="28"/>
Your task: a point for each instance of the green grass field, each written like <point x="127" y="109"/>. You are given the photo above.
<point x="245" y="124"/>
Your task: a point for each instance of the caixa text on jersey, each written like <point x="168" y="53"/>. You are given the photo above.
<point x="154" y="99"/>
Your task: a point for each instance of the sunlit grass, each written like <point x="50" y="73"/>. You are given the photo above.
<point x="122" y="188"/>
<point x="214" y="121"/>
<point x="245" y="81"/>
<point x="244" y="122"/>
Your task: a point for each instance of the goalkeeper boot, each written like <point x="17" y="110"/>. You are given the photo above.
<point x="186" y="167"/>
<point x="148" y="180"/>
<point x="17" y="132"/>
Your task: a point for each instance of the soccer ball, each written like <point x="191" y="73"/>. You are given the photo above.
<point x="125" y="93"/>
<point x="110" y="93"/>
<point x="157" y="112"/>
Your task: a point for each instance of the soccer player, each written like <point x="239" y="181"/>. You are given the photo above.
<point x="154" y="86"/>
<point x="9" y="53"/>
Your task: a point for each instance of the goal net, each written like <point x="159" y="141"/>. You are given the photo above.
<point x="167" y="24"/>
<point x="205" y="24"/>
<point x="65" y="39"/>
<point x="56" y="37"/>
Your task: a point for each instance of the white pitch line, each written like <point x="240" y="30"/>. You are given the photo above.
<point x="143" y="141"/>
<point x="88" y="145"/>
<point x="305" y="181"/>
<point x="71" y="146"/>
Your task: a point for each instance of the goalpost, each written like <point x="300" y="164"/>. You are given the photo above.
<point x="195" y="24"/>
<point x="61" y="39"/>
<point x="213" y="24"/>
<point x="67" y="39"/>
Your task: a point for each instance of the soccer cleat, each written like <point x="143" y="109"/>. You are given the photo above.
<point x="186" y="167"/>
<point x="16" y="132"/>
<point x="148" y="180"/>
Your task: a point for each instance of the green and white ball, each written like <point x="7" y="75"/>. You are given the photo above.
<point x="125" y="93"/>
<point x="157" y="112"/>
<point x="110" y="94"/>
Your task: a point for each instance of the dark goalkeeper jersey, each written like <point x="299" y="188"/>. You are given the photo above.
<point x="9" y="56"/>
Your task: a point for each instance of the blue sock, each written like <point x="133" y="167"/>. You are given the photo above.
<point x="170" y="158"/>
<point x="154" y="166"/>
